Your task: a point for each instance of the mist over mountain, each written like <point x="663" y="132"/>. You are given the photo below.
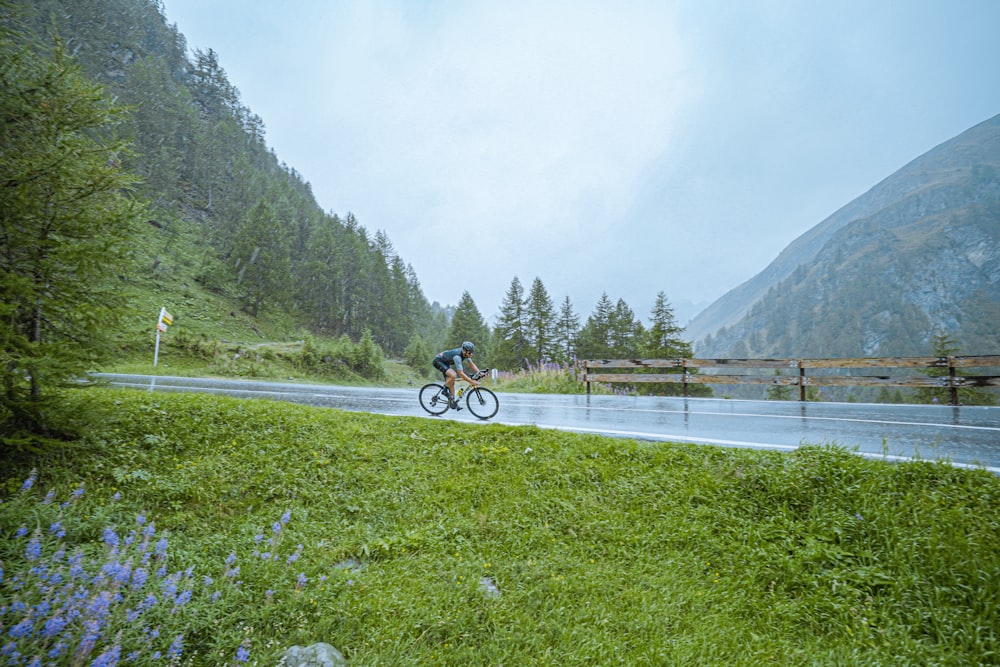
<point x="916" y="255"/>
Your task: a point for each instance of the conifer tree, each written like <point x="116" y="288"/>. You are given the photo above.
<point x="467" y="324"/>
<point x="594" y="341"/>
<point x="626" y="332"/>
<point x="539" y="323"/>
<point x="663" y="338"/>
<point x="262" y="256"/>
<point x="65" y="223"/>
<point x="510" y="344"/>
<point x="663" y="341"/>
<point x="566" y="332"/>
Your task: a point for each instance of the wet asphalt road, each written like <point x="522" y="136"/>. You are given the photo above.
<point x="963" y="435"/>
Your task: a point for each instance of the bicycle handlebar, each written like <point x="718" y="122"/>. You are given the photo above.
<point x="483" y="372"/>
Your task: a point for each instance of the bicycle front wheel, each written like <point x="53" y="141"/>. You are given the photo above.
<point x="432" y="399"/>
<point x="482" y="402"/>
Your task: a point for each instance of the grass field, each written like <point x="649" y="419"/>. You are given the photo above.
<point x="407" y="541"/>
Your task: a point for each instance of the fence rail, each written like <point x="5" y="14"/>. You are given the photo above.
<point x="688" y="371"/>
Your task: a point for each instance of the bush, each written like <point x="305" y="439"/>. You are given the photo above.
<point x="418" y="356"/>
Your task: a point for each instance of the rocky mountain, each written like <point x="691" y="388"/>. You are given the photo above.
<point x="917" y="254"/>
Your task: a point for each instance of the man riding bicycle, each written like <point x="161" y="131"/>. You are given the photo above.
<point x="450" y="362"/>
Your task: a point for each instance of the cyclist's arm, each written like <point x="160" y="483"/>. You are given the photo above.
<point x="465" y="376"/>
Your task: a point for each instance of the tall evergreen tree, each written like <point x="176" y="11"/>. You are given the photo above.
<point x="540" y="322"/>
<point x="566" y="332"/>
<point x="468" y="325"/>
<point x="65" y="222"/>
<point x="510" y="338"/>
<point x="663" y="338"/>
<point x="263" y="259"/>
<point x="626" y="332"/>
<point x="663" y="341"/>
<point x="594" y="341"/>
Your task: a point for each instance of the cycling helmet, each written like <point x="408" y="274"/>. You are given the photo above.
<point x="468" y="347"/>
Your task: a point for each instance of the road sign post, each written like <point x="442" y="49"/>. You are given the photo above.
<point x="165" y="320"/>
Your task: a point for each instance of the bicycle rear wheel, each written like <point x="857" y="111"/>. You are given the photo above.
<point x="432" y="398"/>
<point x="482" y="402"/>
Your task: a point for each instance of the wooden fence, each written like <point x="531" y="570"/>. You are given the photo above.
<point x="689" y="371"/>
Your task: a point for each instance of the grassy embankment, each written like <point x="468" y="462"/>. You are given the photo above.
<point x="415" y="541"/>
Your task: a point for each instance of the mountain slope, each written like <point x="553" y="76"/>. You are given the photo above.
<point x="917" y="254"/>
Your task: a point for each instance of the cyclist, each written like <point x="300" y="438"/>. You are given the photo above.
<point x="450" y="362"/>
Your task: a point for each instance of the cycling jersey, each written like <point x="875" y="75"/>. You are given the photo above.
<point x="451" y="357"/>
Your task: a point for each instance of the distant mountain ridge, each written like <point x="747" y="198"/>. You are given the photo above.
<point x="917" y="254"/>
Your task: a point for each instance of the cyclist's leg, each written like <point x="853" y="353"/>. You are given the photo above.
<point x="449" y="380"/>
<point x="442" y="366"/>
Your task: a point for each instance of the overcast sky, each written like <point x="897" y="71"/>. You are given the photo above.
<point x="620" y="147"/>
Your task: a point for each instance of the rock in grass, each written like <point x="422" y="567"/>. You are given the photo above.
<point x="489" y="588"/>
<point x="315" y="655"/>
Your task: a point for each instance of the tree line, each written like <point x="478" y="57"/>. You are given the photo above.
<point x="531" y="331"/>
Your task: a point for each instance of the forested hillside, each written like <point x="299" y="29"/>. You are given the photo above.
<point x="915" y="257"/>
<point x="213" y="185"/>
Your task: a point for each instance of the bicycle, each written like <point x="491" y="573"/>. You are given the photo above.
<point x="480" y="401"/>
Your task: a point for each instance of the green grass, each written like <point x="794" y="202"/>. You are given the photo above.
<point x="604" y="551"/>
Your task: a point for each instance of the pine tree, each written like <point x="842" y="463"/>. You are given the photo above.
<point x="566" y="332"/>
<point x="263" y="259"/>
<point x="594" y="341"/>
<point x="65" y="224"/>
<point x="663" y="339"/>
<point x="625" y="331"/>
<point x="468" y="325"/>
<point x="510" y="344"/>
<point x="540" y="321"/>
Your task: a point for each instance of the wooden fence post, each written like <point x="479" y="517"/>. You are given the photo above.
<point x="951" y="380"/>
<point x="802" y="381"/>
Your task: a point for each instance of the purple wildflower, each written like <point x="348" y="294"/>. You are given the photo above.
<point x="242" y="653"/>
<point x="183" y="598"/>
<point x="110" y="537"/>
<point x="91" y="633"/>
<point x="140" y="577"/>
<point x="21" y="532"/>
<point x="49" y="497"/>
<point x="161" y="547"/>
<point x="286" y="517"/>
<point x="34" y="550"/>
<point x="22" y="629"/>
<point x="176" y="647"/>
<point x="109" y="658"/>
<point x="58" y="649"/>
<point x="30" y="482"/>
